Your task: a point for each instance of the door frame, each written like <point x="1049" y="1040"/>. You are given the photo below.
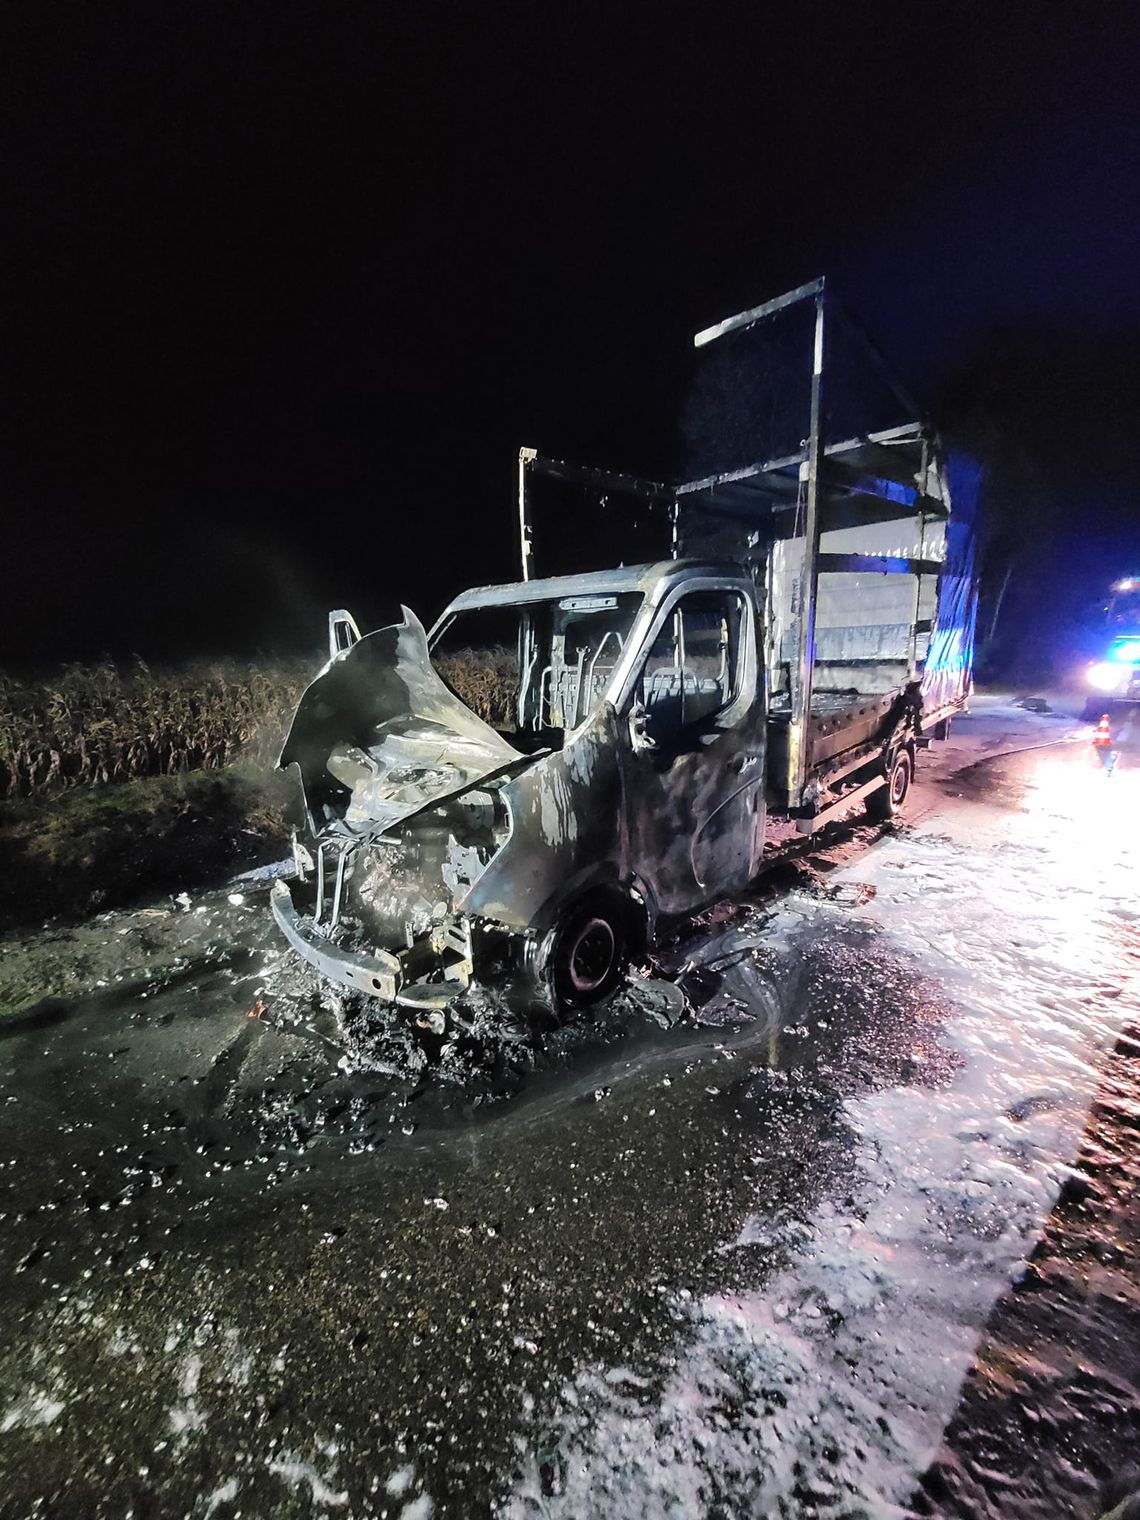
<point x="752" y="675"/>
<point x="751" y="698"/>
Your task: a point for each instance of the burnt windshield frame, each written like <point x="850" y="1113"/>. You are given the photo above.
<point x="563" y="674"/>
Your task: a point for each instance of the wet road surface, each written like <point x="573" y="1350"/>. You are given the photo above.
<point x="736" y="1266"/>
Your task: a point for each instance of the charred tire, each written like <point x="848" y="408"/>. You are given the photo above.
<point x="942" y="728"/>
<point x="889" y="799"/>
<point x="588" y="952"/>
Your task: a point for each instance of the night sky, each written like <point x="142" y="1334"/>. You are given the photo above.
<point x="286" y="286"/>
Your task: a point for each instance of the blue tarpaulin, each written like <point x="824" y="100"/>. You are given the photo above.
<point x="946" y="676"/>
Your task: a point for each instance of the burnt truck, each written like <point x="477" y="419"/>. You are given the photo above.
<point x="809" y="631"/>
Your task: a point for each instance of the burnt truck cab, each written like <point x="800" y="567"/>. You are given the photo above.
<point x="620" y="779"/>
<point x="523" y="793"/>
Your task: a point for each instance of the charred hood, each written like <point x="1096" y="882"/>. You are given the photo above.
<point x="379" y="736"/>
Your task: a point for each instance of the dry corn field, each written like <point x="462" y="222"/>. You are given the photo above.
<point x="487" y="680"/>
<point x="94" y="725"/>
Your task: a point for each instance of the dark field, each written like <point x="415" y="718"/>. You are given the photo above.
<point x="198" y="746"/>
<point x="94" y="725"/>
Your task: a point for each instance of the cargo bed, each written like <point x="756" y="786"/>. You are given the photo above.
<point x="841" y="728"/>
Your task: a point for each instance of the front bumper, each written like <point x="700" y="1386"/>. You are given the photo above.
<point x="380" y="974"/>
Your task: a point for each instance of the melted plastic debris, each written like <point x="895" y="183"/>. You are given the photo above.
<point x="480" y="1036"/>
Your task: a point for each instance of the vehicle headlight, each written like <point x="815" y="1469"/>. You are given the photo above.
<point x="1108" y="677"/>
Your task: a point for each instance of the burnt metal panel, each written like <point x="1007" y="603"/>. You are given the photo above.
<point x="643" y="578"/>
<point x="694" y="807"/>
<point x="553" y="587"/>
<point x="695" y="818"/>
<point x="565" y="830"/>
<point x="384" y="710"/>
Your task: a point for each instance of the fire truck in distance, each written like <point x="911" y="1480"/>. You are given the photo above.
<point x="1114" y="679"/>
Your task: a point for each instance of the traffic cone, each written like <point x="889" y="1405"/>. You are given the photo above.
<point x="1102" y="737"/>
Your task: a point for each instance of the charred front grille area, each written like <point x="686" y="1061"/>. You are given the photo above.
<point x="400" y="895"/>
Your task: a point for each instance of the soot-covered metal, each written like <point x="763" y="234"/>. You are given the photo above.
<point x="627" y="782"/>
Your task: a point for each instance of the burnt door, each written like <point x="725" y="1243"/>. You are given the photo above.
<point x="692" y="738"/>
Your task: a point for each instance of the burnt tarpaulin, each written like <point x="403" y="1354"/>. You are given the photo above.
<point x="950" y="657"/>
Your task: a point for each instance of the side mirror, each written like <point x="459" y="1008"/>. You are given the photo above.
<point x="641" y="728"/>
<point x="654" y="728"/>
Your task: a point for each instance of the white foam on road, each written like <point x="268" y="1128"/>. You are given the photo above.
<point x="833" y="1382"/>
<point x="35" y="1408"/>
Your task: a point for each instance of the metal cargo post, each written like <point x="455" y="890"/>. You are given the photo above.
<point x="804" y="657"/>
<point x="800" y="673"/>
<point x="526" y="540"/>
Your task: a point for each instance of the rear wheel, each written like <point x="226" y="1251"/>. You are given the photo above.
<point x="588" y="953"/>
<point x="942" y="728"/>
<point x="889" y="799"/>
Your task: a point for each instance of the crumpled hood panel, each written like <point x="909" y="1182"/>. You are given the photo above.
<point x="378" y="736"/>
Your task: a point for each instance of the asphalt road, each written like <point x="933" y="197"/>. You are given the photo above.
<point x="736" y="1266"/>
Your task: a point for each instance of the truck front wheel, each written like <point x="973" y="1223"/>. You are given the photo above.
<point x="889" y="799"/>
<point x="587" y="953"/>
